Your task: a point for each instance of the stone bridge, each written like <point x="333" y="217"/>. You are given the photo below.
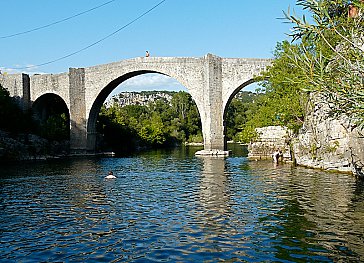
<point x="212" y="82"/>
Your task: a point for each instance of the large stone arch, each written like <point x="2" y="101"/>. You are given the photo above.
<point x="101" y="80"/>
<point x="100" y="99"/>
<point x="187" y="71"/>
<point x="50" y="104"/>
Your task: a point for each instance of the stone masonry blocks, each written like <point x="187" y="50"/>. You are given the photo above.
<point x="78" y="134"/>
<point x="211" y="80"/>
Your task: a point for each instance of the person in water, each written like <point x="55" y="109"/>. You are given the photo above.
<point x="110" y="175"/>
<point x="276" y="155"/>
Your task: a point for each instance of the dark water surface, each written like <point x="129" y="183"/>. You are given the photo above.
<point x="170" y="206"/>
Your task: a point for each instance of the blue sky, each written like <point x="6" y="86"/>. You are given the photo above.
<point x="177" y="28"/>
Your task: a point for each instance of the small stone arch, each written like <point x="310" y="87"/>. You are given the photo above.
<point x="49" y="104"/>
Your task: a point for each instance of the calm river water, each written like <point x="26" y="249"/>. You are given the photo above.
<point x="170" y="206"/>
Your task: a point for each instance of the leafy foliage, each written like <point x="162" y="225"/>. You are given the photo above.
<point x="55" y="128"/>
<point x="12" y="118"/>
<point x="281" y="100"/>
<point x="159" y="124"/>
<point x="327" y="57"/>
<point x="15" y="121"/>
<point x="237" y="114"/>
<point x="331" y="57"/>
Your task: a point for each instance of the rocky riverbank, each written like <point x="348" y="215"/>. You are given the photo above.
<point x="324" y="142"/>
<point x="30" y="147"/>
<point x="330" y="143"/>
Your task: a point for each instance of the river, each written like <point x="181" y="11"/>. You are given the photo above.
<point x="170" y="206"/>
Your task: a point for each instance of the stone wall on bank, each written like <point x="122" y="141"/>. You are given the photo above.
<point x="269" y="140"/>
<point x="329" y="143"/>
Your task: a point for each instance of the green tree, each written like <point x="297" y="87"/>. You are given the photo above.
<point x="12" y="118"/>
<point x="287" y="100"/>
<point x="236" y="114"/>
<point x="331" y="57"/>
<point x="152" y="131"/>
<point x="117" y="135"/>
<point x="186" y="116"/>
<point x="181" y="102"/>
<point x="159" y="124"/>
<point x="281" y="102"/>
<point x="56" y="128"/>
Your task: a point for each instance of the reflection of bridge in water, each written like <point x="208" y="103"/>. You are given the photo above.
<point x="212" y="82"/>
<point x="213" y="187"/>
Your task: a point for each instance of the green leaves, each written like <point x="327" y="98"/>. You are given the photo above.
<point x="159" y="124"/>
<point x="56" y="128"/>
<point x="331" y="58"/>
<point x="12" y="118"/>
<point x="283" y="100"/>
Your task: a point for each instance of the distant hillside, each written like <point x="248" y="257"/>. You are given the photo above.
<point x="246" y="96"/>
<point x="139" y="98"/>
<point x="144" y="97"/>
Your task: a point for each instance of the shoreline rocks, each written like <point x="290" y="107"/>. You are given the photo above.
<point x="330" y="143"/>
<point x="324" y="142"/>
<point x="23" y="147"/>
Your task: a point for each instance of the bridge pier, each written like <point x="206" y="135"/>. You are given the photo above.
<point x="211" y="108"/>
<point x="78" y="132"/>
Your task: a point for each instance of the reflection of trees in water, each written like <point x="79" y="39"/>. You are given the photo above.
<point x="318" y="207"/>
<point x="80" y="187"/>
<point x="291" y="230"/>
<point x="356" y="213"/>
<point x="314" y="211"/>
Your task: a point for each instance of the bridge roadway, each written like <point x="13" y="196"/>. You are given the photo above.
<point x="212" y="82"/>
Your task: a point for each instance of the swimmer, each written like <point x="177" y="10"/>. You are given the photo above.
<point x="276" y="156"/>
<point x="110" y="175"/>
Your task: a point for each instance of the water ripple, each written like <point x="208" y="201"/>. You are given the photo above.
<point x="171" y="207"/>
